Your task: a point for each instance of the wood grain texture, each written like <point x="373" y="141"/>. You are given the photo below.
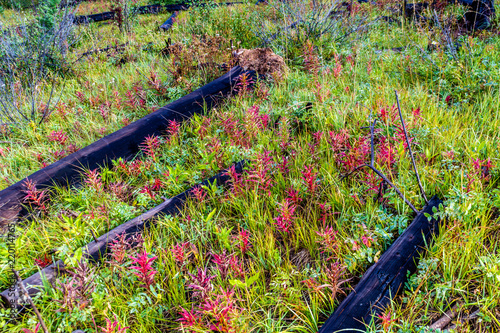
<point x="123" y="143"/>
<point x="94" y="251"/>
<point x="387" y="277"/>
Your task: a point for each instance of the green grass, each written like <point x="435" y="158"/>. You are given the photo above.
<point x="287" y="277"/>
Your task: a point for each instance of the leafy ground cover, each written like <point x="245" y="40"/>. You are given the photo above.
<point x="279" y="249"/>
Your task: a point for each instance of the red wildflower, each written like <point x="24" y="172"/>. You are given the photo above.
<point x="387" y="320"/>
<point x="310" y="179"/>
<point x="34" y="196"/>
<point x="189" y="318"/>
<point x="150" y="146"/>
<point x="113" y="327"/>
<point x="43" y="261"/>
<point x="144" y="269"/>
<point x="284" y="222"/>
<point x="180" y="253"/>
<point x="327" y="240"/>
<point x="58" y="136"/>
<point x="93" y="179"/>
<point x="243" y="239"/>
<point x="201" y="282"/>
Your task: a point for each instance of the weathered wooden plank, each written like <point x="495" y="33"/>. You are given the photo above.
<point x="96" y="250"/>
<point x="169" y="22"/>
<point x="123" y="143"/>
<point x="386" y="277"/>
<point x="85" y="19"/>
<point x="149" y="9"/>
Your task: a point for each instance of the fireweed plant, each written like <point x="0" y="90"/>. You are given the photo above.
<point x="288" y="239"/>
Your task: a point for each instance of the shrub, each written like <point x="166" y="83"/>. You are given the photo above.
<point x="299" y="21"/>
<point x="32" y="59"/>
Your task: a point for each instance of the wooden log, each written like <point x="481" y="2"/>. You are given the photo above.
<point x="386" y="277"/>
<point x="169" y="22"/>
<point x="94" y="251"/>
<point x="85" y="19"/>
<point x="123" y="143"/>
<point x="149" y="9"/>
<point x="116" y="48"/>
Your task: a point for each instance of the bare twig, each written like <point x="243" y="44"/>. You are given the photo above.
<point x="409" y="149"/>
<point x="25" y="292"/>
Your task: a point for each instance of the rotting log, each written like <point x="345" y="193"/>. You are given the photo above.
<point x="169" y="22"/>
<point x="387" y="277"/>
<point x="94" y="251"/>
<point x="123" y="143"/>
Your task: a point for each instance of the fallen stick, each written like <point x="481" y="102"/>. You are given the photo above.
<point x="116" y="48"/>
<point x="96" y="250"/>
<point x="123" y="143"/>
<point x="30" y="301"/>
<point x="387" y="277"/>
<point x="446" y="319"/>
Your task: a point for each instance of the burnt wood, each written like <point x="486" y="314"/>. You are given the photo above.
<point x="85" y="19"/>
<point x="123" y="143"/>
<point x="169" y="22"/>
<point x="149" y="9"/>
<point x="386" y="277"/>
<point x="94" y="251"/>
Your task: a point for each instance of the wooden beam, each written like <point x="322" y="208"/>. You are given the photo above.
<point x="386" y="278"/>
<point x="169" y="22"/>
<point x="94" y="251"/>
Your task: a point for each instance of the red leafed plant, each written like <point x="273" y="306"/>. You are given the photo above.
<point x="244" y="84"/>
<point x="327" y="240"/>
<point x="174" y="128"/>
<point x="35" y="330"/>
<point x="58" y="136"/>
<point x="222" y="261"/>
<point x="93" y="179"/>
<point x="201" y="282"/>
<point x="243" y="240"/>
<point x="260" y="175"/>
<point x="181" y="252"/>
<point x="150" y="146"/>
<point x="44" y="261"/>
<point x="148" y="189"/>
<point x="221" y="311"/>
<point x="199" y="193"/>
<point x="34" y="196"/>
<point x="309" y="178"/>
<point x="189" y="318"/>
<point x="144" y="269"/>
<point x="386" y="319"/>
<point x="119" y="247"/>
<point x="284" y="222"/>
<point x="236" y="181"/>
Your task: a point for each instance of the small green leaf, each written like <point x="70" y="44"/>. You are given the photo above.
<point x="252" y="279"/>
<point x="211" y="215"/>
